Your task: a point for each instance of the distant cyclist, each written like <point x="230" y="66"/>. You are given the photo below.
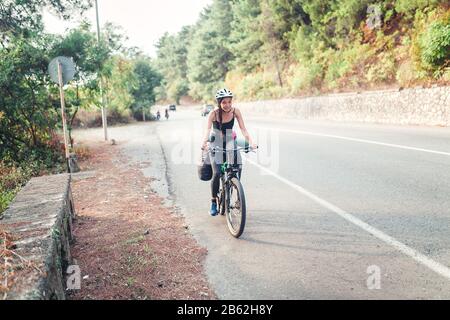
<point x="158" y="115"/>
<point x="222" y="122"/>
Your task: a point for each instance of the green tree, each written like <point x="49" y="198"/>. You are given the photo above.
<point x="208" y="56"/>
<point x="272" y="36"/>
<point x="28" y="111"/>
<point x="171" y="63"/>
<point x="121" y="82"/>
<point x="147" y="79"/>
<point x="307" y="45"/>
<point x="89" y="57"/>
<point x="435" y="45"/>
<point x="245" y="40"/>
<point x="22" y="17"/>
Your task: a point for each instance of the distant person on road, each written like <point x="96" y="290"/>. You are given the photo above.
<point x="167" y="114"/>
<point x="158" y="115"/>
<point x="221" y="120"/>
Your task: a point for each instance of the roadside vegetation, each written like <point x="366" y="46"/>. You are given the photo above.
<point x="30" y="125"/>
<point x="273" y="49"/>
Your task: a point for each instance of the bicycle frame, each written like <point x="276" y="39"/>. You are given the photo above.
<point x="229" y="171"/>
<point x="233" y="209"/>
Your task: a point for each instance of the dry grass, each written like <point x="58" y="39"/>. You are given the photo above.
<point x="127" y="242"/>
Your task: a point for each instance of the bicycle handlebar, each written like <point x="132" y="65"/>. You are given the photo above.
<point x="249" y="148"/>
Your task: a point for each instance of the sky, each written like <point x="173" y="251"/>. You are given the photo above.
<point x="143" y="21"/>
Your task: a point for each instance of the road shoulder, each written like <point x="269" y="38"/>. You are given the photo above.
<point x="129" y="243"/>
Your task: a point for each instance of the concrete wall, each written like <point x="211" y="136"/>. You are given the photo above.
<point x="40" y="220"/>
<point x="414" y="106"/>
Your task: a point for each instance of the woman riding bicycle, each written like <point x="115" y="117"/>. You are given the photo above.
<point x="222" y="122"/>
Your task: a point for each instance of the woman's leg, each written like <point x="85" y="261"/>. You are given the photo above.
<point x="215" y="184"/>
<point x="215" y="181"/>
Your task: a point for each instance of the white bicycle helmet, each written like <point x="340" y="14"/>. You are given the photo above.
<point x="223" y="93"/>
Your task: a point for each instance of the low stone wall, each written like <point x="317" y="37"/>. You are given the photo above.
<point x="40" y="220"/>
<point x="414" y="106"/>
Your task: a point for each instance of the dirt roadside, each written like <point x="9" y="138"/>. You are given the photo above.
<point x="128" y="244"/>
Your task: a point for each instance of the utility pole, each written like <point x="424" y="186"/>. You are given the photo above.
<point x="104" y="119"/>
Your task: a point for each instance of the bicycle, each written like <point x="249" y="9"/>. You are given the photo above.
<point x="231" y="197"/>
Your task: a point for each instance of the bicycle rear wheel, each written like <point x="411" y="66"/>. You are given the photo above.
<point x="236" y="209"/>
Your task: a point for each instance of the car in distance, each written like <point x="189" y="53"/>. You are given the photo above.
<point x="207" y="108"/>
<point x="172" y="107"/>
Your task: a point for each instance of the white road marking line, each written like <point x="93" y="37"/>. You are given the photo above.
<point x="420" y="258"/>
<point x="357" y="140"/>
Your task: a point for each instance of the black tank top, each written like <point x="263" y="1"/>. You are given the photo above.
<point x="225" y="125"/>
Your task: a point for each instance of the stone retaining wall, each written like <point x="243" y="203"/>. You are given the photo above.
<point x="40" y="220"/>
<point x="414" y="106"/>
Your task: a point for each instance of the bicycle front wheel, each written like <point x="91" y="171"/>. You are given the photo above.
<point x="236" y="209"/>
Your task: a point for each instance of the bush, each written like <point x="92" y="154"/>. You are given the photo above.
<point x="383" y="70"/>
<point x="435" y="44"/>
<point x="336" y="69"/>
<point x="252" y="86"/>
<point x="409" y="6"/>
<point x="277" y="92"/>
<point x="12" y="178"/>
<point x="117" y="116"/>
<point x="45" y="159"/>
<point x="306" y="77"/>
<point x="93" y="118"/>
<point x="446" y="75"/>
<point x="5" y="199"/>
<point x="137" y="115"/>
<point x="82" y="152"/>
<point x="302" y="43"/>
<point x="406" y="74"/>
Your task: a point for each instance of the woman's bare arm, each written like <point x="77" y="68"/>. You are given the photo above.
<point x="242" y="127"/>
<point x="208" y="129"/>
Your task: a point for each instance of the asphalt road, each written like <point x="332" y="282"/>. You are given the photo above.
<point x="335" y="210"/>
<point x="339" y="203"/>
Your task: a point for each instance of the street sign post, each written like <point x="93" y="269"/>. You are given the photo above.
<point x="62" y="70"/>
<point x="67" y="69"/>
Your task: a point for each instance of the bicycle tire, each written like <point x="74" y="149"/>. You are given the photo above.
<point x="236" y="230"/>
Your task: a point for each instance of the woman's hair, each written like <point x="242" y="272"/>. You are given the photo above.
<point x="219" y="101"/>
<point x="220" y="113"/>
